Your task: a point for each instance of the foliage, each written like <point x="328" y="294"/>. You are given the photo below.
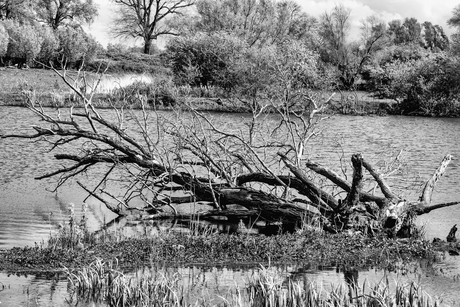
<point x="258" y="23"/>
<point x="423" y="83"/>
<point x="4" y="38"/>
<point x="59" y="12"/>
<point x="19" y="10"/>
<point x="75" y="47"/>
<point x="204" y="59"/>
<point x="50" y="45"/>
<point x="24" y="41"/>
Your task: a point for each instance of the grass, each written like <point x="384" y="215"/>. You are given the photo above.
<point x="104" y="282"/>
<point x="154" y="90"/>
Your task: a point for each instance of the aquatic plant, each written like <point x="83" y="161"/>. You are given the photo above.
<point x="74" y="234"/>
<point x="104" y="282"/>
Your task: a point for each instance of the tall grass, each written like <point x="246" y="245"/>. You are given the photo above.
<point x="103" y="282"/>
<point x="74" y="234"/>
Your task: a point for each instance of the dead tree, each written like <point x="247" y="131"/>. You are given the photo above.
<point x="170" y="158"/>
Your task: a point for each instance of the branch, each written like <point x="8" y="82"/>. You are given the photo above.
<point x="335" y="178"/>
<point x="421" y="208"/>
<point x="429" y="186"/>
<point x="356" y="186"/>
<point x="380" y="181"/>
<point x="290" y="182"/>
<point x="108" y="205"/>
<point x="317" y="192"/>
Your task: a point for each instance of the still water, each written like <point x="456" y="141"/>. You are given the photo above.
<point x="29" y="212"/>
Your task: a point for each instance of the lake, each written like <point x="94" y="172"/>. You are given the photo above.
<point x="29" y="212"/>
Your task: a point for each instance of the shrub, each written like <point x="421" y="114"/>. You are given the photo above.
<point x="203" y="59"/>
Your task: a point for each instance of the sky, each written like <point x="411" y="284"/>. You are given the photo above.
<point x="435" y="11"/>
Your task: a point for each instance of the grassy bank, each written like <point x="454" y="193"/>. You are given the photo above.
<point x="157" y="92"/>
<point x="175" y="248"/>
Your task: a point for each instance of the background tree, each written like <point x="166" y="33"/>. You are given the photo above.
<point x="434" y="37"/>
<point x="146" y="19"/>
<point x="4" y="37"/>
<point x="410" y="31"/>
<point x="16" y="9"/>
<point x="24" y="42"/>
<point x="75" y="47"/>
<point x="58" y="12"/>
<point x="334" y="29"/>
<point x="454" y="21"/>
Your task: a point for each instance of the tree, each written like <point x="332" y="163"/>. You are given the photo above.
<point x="410" y="31"/>
<point x="24" y="42"/>
<point x="249" y="170"/>
<point x="58" y="12"/>
<point x="4" y="37"/>
<point x="434" y="37"/>
<point x="75" y="47"/>
<point x="454" y="21"/>
<point x="50" y="44"/>
<point x="146" y="19"/>
<point x="20" y="10"/>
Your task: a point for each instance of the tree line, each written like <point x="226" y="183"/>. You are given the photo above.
<point x="236" y="45"/>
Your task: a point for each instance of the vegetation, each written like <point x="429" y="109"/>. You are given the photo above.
<point x="103" y="282"/>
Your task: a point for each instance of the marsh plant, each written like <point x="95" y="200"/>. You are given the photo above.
<point x="103" y="282"/>
<point x="73" y="234"/>
<point x="268" y="289"/>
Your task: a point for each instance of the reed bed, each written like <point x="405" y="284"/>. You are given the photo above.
<point x="103" y="283"/>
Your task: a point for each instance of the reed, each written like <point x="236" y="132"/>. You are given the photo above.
<point x="74" y="234"/>
<point x="103" y="282"/>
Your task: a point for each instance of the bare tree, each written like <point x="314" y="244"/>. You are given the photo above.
<point x="145" y="19"/>
<point x="257" y="169"/>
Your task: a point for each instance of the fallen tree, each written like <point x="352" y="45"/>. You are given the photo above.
<point x="252" y="170"/>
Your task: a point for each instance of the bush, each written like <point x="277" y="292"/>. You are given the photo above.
<point x="203" y="59"/>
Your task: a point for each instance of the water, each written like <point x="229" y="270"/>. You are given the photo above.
<point x="29" y="213"/>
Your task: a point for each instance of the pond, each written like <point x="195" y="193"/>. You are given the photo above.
<point x="29" y="213"/>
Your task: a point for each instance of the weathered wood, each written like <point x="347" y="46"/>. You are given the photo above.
<point x="430" y="184"/>
<point x="357" y="182"/>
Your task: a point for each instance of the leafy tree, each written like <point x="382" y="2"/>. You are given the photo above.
<point x="454" y="21"/>
<point x="4" y="37"/>
<point x="334" y="29"/>
<point x="24" y="41"/>
<point x="16" y="9"/>
<point x="58" y="12"/>
<point x="434" y="37"/>
<point x="49" y="46"/>
<point x="75" y="47"/>
<point x="258" y="22"/>
<point x="146" y="19"/>
<point x="410" y="31"/>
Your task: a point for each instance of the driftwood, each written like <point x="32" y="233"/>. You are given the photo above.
<point x="203" y="172"/>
